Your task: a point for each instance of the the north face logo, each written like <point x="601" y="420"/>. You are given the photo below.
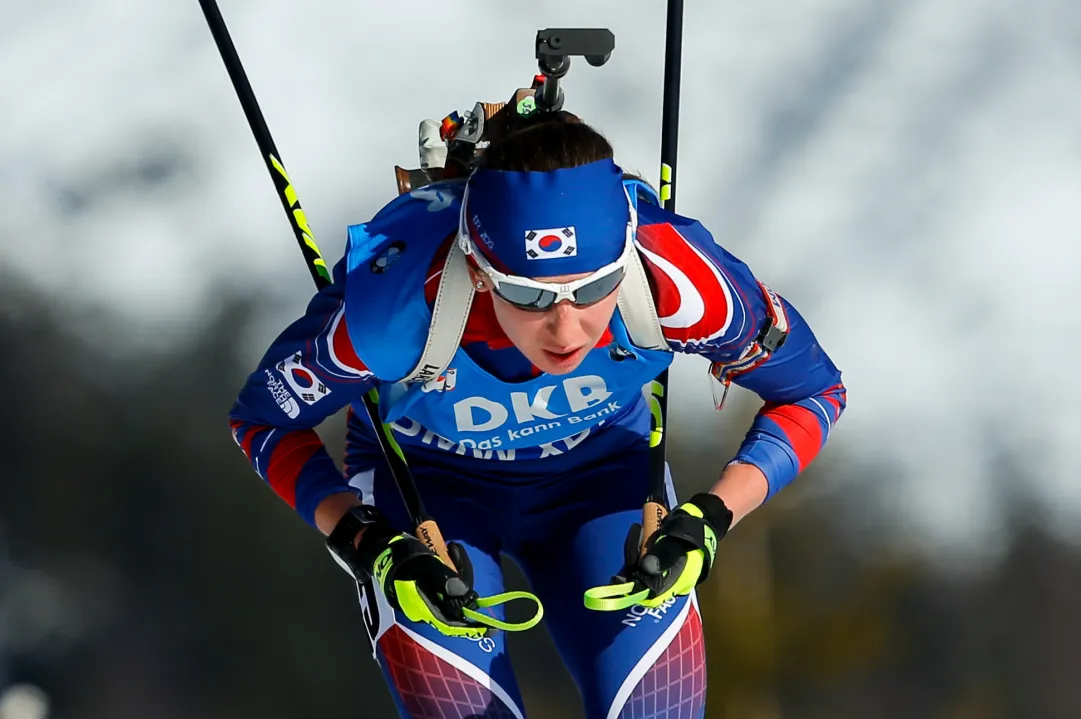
<point x="305" y="385"/>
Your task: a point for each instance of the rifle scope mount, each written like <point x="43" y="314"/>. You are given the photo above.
<point x="556" y="46"/>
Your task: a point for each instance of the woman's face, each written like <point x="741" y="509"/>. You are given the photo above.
<point x="557" y="340"/>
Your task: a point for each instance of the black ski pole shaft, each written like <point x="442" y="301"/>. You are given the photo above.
<point x="656" y="506"/>
<point x="269" y="151"/>
<point x="673" y="60"/>
<point x="425" y="527"/>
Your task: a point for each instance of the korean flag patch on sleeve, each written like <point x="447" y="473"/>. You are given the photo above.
<point x="551" y="244"/>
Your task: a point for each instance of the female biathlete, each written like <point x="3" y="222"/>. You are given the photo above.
<point x="547" y="288"/>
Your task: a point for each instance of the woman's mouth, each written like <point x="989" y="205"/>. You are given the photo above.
<point x="562" y="357"/>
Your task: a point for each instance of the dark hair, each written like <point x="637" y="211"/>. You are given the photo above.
<point x="552" y="142"/>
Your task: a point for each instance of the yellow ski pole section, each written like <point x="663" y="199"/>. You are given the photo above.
<point x="666" y="182"/>
<point x="657" y="431"/>
<point x="300" y="219"/>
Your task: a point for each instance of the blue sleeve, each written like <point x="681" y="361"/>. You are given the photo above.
<point x="804" y="398"/>
<point x="309" y="372"/>
<point x="802" y="390"/>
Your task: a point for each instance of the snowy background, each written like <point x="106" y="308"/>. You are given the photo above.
<point x="907" y="173"/>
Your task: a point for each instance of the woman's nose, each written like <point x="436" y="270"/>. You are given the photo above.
<point x="563" y="323"/>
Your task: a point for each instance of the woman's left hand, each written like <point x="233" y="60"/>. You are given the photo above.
<point x="681" y="552"/>
<point x="678" y="556"/>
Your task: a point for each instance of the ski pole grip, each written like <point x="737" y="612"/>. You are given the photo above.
<point x="652" y="515"/>
<point x="430" y="536"/>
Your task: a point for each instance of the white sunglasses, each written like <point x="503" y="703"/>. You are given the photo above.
<point x="528" y="294"/>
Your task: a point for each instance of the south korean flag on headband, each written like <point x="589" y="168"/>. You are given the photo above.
<point x="551" y="244"/>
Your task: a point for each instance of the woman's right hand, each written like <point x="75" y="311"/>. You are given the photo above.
<point x="413" y="577"/>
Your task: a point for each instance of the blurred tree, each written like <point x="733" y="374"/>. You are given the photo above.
<point x="164" y="580"/>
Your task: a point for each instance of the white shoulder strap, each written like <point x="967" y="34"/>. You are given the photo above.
<point x="638" y="309"/>
<point x="455" y="297"/>
<point x="449" y="315"/>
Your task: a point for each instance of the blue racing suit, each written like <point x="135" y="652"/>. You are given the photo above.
<point x="550" y="471"/>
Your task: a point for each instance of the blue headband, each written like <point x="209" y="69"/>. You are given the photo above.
<point x="540" y="224"/>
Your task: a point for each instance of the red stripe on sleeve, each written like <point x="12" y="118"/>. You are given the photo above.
<point x="235" y="425"/>
<point x="837" y="397"/>
<point x="249" y="435"/>
<point x="802" y="429"/>
<point x="288" y="460"/>
<point x="836" y="405"/>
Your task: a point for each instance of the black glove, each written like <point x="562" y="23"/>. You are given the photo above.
<point x="682" y="551"/>
<point x="678" y="556"/>
<point x="413" y="577"/>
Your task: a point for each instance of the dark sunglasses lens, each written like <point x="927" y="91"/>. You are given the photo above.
<point x="598" y="289"/>
<point x="525" y="297"/>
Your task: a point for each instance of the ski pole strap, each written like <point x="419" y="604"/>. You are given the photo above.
<point x="614" y="597"/>
<point x="498" y="599"/>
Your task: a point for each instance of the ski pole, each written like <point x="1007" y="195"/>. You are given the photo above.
<point x="625" y="592"/>
<point x="656" y="506"/>
<point x="425" y="527"/>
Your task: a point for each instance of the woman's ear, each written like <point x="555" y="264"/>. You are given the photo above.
<point x="480" y="282"/>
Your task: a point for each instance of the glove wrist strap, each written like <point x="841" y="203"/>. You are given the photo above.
<point x="342" y="540"/>
<point x="714" y="511"/>
<point x="498" y="599"/>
